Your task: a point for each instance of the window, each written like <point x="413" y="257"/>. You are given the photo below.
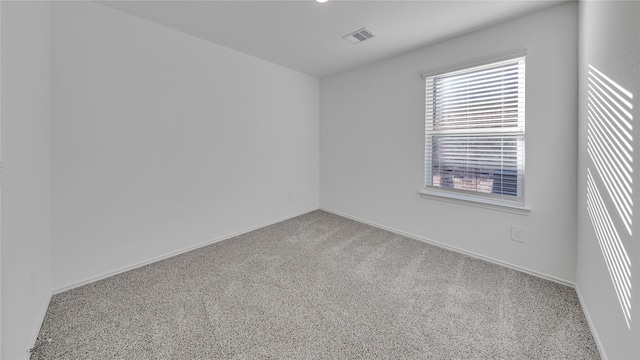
<point x="474" y="133"/>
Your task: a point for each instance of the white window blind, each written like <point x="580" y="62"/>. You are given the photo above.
<point x="474" y="132"/>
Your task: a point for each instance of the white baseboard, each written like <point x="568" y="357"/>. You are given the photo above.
<point x="178" y="252"/>
<point x="36" y="330"/>
<point x="585" y="310"/>
<point x="399" y="232"/>
<point x="455" y="249"/>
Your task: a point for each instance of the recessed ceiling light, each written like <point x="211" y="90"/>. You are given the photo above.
<point x="321" y="1"/>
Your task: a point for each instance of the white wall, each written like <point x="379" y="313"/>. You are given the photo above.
<point x="372" y="145"/>
<point x="26" y="174"/>
<point x="610" y="42"/>
<point x="162" y="141"/>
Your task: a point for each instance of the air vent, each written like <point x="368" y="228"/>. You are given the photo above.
<point x="359" y="36"/>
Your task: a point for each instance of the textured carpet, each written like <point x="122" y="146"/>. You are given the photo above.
<point x="318" y="286"/>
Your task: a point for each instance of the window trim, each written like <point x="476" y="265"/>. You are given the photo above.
<point x="458" y="197"/>
<point x="467" y="197"/>
<point x="477" y="62"/>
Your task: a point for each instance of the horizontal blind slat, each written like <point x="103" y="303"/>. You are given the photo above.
<point x="474" y="129"/>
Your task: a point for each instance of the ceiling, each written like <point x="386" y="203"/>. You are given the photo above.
<point x="307" y="36"/>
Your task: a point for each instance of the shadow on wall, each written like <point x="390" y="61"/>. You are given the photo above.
<point x="610" y="149"/>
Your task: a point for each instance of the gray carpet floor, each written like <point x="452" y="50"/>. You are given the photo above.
<point x="318" y="286"/>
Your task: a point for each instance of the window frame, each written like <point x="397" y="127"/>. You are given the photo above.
<point x="501" y="202"/>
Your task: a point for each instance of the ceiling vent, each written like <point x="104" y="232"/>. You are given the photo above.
<point x="359" y="36"/>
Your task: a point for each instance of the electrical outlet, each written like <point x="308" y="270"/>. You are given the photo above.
<point x="517" y="233"/>
<point x="290" y="196"/>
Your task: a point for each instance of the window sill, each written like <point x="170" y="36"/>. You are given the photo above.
<point x="473" y="201"/>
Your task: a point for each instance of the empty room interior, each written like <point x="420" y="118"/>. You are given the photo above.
<point x="319" y="180"/>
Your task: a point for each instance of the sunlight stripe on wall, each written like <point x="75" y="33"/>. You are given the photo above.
<point x="609" y="140"/>
<point x="611" y="245"/>
<point x="610" y="150"/>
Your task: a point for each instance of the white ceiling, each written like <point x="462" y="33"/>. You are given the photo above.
<point x="307" y="36"/>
